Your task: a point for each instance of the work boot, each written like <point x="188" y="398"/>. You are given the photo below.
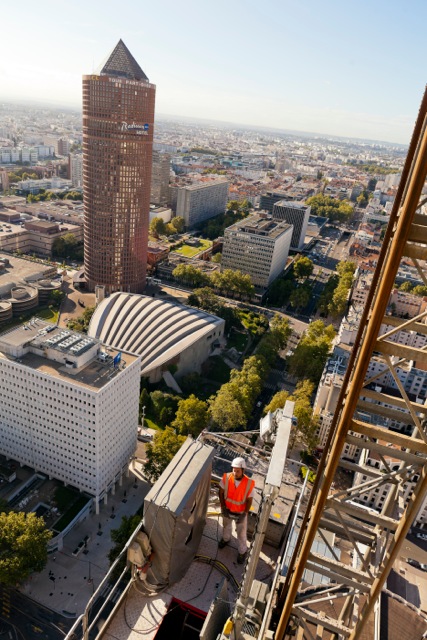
<point x="241" y="558"/>
<point x="222" y="543"/>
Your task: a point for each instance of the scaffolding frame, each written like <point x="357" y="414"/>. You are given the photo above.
<point x="375" y="538"/>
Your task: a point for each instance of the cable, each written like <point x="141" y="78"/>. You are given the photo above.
<point x="221" y="567"/>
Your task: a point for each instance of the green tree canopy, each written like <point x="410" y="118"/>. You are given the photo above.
<point x="309" y="357"/>
<point x="191" y="417"/>
<point x="305" y="428"/>
<point x="23" y="546"/>
<point x="303" y="268"/>
<point x="82" y="323"/>
<point x="190" y="275"/>
<point x="120" y="536"/>
<point x="332" y="208"/>
<point x="420" y="290"/>
<point x="216" y="258"/>
<point x="160" y="452"/>
<point x="300" y="297"/>
<point x="280" y="291"/>
<point x="157" y="227"/>
<point x="225" y="409"/>
<point x="232" y="282"/>
<point x="178" y="223"/>
<point x="278" y="401"/>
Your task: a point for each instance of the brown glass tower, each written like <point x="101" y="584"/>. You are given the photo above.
<point x="118" y="119"/>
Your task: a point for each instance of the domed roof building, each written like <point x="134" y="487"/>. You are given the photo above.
<point x="164" y="333"/>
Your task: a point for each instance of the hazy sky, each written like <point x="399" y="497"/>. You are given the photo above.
<point x="342" y="67"/>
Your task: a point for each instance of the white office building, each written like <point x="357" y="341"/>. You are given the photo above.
<point x="68" y="408"/>
<point x="297" y="214"/>
<point x="258" y="246"/>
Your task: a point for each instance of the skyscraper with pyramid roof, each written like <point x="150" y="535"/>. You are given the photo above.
<point x="118" y="121"/>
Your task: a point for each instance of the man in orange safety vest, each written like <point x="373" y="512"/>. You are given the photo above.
<point x="235" y="496"/>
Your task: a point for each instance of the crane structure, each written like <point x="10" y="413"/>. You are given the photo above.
<point x="346" y="599"/>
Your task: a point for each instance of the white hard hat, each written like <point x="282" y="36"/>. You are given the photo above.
<point x="238" y="463"/>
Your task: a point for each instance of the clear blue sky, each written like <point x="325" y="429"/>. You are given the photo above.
<point x="335" y="67"/>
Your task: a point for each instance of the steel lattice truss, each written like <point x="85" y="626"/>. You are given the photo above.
<point x="342" y="605"/>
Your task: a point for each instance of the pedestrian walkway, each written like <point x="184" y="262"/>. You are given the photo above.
<point x="67" y="582"/>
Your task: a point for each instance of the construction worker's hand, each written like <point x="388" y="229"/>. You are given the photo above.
<point x="241" y="517"/>
<point x="224" y="512"/>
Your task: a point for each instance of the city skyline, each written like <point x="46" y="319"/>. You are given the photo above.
<point x="331" y="71"/>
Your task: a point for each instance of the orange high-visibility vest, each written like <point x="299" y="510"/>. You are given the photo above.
<point x="235" y="497"/>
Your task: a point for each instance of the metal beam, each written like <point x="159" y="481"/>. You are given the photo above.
<point x="397" y="439"/>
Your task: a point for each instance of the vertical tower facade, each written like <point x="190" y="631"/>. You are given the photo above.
<point x="295" y="213"/>
<point x="118" y="122"/>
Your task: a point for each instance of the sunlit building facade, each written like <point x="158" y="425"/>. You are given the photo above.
<point x="118" y="119"/>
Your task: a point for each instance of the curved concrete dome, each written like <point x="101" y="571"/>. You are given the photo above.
<point x="158" y="330"/>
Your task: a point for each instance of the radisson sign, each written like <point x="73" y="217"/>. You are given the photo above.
<point x="140" y="129"/>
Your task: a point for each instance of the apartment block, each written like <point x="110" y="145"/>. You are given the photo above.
<point x="75" y="169"/>
<point x="199" y="202"/>
<point x="160" y="178"/>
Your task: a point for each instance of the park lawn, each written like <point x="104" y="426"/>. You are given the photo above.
<point x="50" y="315"/>
<point x="237" y="340"/>
<point x="150" y="424"/>
<point x="189" y="251"/>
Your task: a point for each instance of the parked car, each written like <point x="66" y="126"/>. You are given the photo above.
<point x="414" y="563"/>
<point x="421" y="536"/>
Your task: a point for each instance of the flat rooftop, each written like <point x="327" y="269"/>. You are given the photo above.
<point x="37" y="333"/>
<point x="22" y="270"/>
<point x="260" y="225"/>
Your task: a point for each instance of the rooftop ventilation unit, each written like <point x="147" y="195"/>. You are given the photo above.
<point x="175" y="508"/>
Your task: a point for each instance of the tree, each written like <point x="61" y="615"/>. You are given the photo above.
<point x="300" y="297"/>
<point x="278" y="401"/>
<point x="279" y="292"/>
<point x="23" y="546"/>
<point x="363" y="198"/>
<point x="309" y="357"/>
<point x="144" y="401"/>
<point x="338" y="305"/>
<point x="303" y="268"/>
<point x="56" y="297"/>
<point x="281" y="330"/>
<point x="332" y="208"/>
<point x="160" y="452"/>
<point x="420" y="290"/>
<point x="120" y="536"/>
<point x="190" y="275"/>
<point x="406" y="286"/>
<point x="216" y="258"/>
<point x="191" y="417"/>
<point x="305" y="427"/>
<point x="225" y="409"/>
<point x="178" y="224"/>
<point x="157" y="227"/>
<point x="82" y="323"/>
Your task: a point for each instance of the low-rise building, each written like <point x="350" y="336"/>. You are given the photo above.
<point x="162" y="333"/>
